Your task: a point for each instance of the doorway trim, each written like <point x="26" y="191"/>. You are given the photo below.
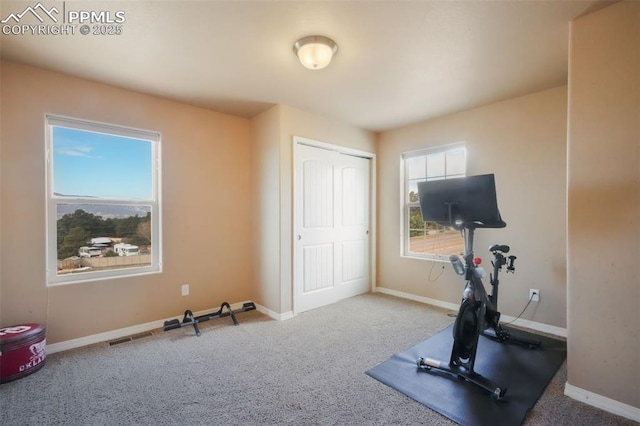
<point x="373" y="247"/>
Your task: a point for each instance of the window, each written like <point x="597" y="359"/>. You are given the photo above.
<point x="428" y="239"/>
<point x="103" y="201"/>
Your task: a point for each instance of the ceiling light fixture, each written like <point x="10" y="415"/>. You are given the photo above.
<point x="315" y="52"/>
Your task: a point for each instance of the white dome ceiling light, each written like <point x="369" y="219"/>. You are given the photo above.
<point x="315" y="52"/>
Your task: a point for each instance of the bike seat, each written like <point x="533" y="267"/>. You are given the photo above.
<point x="499" y="247"/>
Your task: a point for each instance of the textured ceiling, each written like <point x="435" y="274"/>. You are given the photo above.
<point x="398" y="62"/>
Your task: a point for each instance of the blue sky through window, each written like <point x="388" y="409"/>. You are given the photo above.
<point x="93" y="164"/>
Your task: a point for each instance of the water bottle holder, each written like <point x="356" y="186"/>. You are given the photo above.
<point x="457" y="264"/>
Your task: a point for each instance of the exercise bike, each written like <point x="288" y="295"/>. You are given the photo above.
<point x="468" y="204"/>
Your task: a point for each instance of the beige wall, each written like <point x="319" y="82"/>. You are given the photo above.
<point x="523" y="142"/>
<point x="604" y="203"/>
<point x="1" y="186"/>
<point x="206" y="213"/>
<point x="290" y="122"/>
<point x="265" y="207"/>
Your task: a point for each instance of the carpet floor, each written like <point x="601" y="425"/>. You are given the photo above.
<point x="309" y="370"/>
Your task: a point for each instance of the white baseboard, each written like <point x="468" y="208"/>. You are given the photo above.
<point x="545" y="328"/>
<point x="276" y="316"/>
<point x="533" y="325"/>
<point x="421" y="299"/>
<point x="142" y="328"/>
<point x="602" y="402"/>
<point x="123" y="332"/>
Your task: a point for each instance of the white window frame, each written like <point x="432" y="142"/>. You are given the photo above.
<point x="405" y="204"/>
<point x="53" y="278"/>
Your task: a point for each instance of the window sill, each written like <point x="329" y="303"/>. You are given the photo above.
<point x="433" y="258"/>
<point x="80" y="279"/>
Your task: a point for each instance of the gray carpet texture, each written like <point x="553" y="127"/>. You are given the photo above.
<point x="309" y="370"/>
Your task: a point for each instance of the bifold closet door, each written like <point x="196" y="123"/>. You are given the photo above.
<point x="331" y="239"/>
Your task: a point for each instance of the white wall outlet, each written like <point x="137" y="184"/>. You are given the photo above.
<point x="534" y="294"/>
<point x="185" y="289"/>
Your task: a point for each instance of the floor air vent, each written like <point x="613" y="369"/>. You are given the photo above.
<point x="130" y="338"/>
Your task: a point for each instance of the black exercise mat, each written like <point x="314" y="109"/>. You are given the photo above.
<point x="524" y="372"/>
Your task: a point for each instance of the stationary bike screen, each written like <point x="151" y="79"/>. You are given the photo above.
<point x="459" y="201"/>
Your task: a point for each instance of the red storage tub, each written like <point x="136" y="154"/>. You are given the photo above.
<point x="22" y="351"/>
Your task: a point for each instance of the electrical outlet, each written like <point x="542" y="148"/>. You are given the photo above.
<point x="185" y="289"/>
<point x="534" y="294"/>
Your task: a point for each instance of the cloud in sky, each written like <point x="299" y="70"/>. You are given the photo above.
<point x="74" y="150"/>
